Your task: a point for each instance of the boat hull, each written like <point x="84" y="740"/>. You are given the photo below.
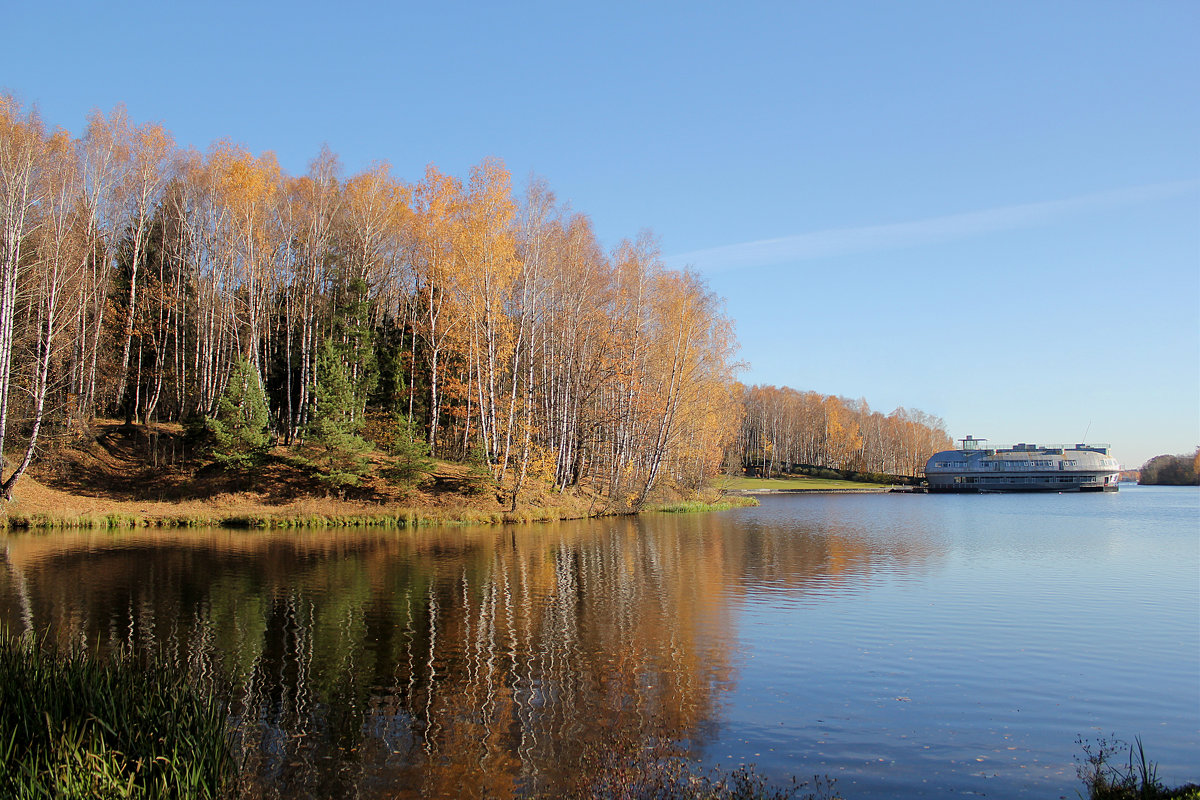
<point x="1016" y="489"/>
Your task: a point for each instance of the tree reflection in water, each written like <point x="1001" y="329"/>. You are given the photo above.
<point x="451" y="663"/>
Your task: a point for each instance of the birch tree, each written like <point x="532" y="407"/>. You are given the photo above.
<point x="151" y="149"/>
<point x="22" y="143"/>
<point x="52" y="282"/>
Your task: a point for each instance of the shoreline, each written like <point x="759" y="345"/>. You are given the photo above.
<point x="41" y="508"/>
<point x="751" y="492"/>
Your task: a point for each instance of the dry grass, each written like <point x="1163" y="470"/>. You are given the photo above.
<point x="39" y="506"/>
<point x="121" y="476"/>
<point x="793" y="483"/>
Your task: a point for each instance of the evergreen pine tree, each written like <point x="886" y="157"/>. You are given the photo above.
<point x="331" y="438"/>
<point x="410" y="450"/>
<point x="355" y="336"/>
<point x="240" y="433"/>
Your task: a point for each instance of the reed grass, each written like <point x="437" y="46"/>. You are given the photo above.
<point x="698" y="506"/>
<point x="76" y="726"/>
<point x="1134" y="777"/>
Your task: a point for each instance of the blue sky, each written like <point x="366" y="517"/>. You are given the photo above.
<point x="989" y="211"/>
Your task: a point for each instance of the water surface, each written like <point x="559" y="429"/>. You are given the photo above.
<point x="907" y="645"/>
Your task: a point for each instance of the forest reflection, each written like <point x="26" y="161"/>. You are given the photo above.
<point x="442" y="662"/>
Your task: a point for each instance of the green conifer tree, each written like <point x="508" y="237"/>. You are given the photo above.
<point x="331" y="441"/>
<point x="240" y="430"/>
<point x="410" y="449"/>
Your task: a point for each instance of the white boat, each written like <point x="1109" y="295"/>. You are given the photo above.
<point x="976" y="467"/>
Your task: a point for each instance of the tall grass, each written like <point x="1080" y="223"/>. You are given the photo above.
<point x="77" y="726"/>
<point x="698" y="506"/>
<point x="1134" y="777"/>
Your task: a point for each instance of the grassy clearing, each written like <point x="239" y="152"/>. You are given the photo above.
<point x="73" y="726"/>
<point x="792" y="483"/>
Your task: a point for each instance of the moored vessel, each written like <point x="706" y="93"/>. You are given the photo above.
<point x="976" y="467"/>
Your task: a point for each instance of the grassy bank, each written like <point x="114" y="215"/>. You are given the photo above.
<point x="73" y="726"/>
<point x="122" y="476"/>
<point x="793" y="483"/>
<point x="327" y="514"/>
<point x="126" y="477"/>
<point x="40" y="507"/>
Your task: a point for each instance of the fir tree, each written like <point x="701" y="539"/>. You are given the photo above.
<point x="331" y="438"/>
<point x="410" y="449"/>
<point x="240" y="433"/>
<point x="354" y="339"/>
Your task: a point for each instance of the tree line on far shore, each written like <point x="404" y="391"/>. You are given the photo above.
<point x="1168" y="470"/>
<point x="332" y="314"/>
<point x="783" y="428"/>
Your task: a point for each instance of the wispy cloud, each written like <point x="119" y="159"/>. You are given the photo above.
<point x="844" y="241"/>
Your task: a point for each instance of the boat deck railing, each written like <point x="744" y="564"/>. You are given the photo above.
<point x="1029" y="447"/>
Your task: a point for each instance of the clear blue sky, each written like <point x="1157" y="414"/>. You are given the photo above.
<point x="989" y="211"/>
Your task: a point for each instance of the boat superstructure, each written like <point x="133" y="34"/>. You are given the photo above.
<point x="976" y="467"/>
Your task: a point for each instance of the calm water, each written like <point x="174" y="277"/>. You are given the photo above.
<point x="906" y="645"/>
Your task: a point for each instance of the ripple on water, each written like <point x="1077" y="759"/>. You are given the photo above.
<point x="910" y="646"/>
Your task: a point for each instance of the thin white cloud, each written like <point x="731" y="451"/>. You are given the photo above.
<point x="844" y="241"/>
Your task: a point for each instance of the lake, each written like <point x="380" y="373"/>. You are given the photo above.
<point x="904" y="645"/>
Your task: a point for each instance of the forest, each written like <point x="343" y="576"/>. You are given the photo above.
<point x="1169" y="470"/>
<point x="331" y="315"/>
<point x="783" y="428"/>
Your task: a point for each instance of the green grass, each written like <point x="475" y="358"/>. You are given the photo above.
<point x="75" y="726"/>
<point x="791" y="483"/>
<point x="698" y="506"/>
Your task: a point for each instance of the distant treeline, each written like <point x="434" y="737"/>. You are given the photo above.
<point x="1168" y="470"/>
<point x="784" y="429"/>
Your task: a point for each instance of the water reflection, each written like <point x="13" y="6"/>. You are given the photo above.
<point x="453" y="663"/>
